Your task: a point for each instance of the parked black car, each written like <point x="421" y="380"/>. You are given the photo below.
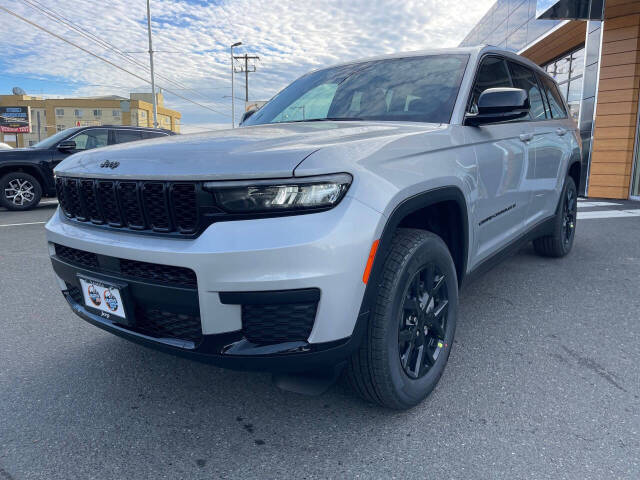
<point x="26" y="174"/>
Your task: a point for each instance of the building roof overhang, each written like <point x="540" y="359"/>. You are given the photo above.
<point x="570" y="9"/>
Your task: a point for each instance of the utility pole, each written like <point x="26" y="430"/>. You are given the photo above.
<point x="233" y="104"/>
<point x="246" y="71"/>
<point x="153" y="80"/>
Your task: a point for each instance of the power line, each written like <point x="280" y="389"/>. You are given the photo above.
<point x="77" y="84"/>
<point x="26" y="20"/>
<point x="104" y="43"/>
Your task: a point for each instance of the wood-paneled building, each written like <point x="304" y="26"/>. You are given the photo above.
<point x="592" y="48"/>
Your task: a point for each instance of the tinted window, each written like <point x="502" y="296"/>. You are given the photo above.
<point x="55" y="139"/>
<point x="420" y="89"/>
<point x="94" y="138"/>
<point x="525" y="79"/>
<point x="123" y="136"/>
<point x="153" y="134"/>
<point x="492" y="73"/>
<point x="553" y="97"/>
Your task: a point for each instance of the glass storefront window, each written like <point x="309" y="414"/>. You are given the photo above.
<point x="577" y="63"/>
<point x="567" y="71"/>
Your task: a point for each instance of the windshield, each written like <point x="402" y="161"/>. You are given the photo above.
<point x="55" y="139"/>
<point x="417" y="89"/>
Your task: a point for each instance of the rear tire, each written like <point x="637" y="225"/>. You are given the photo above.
<point x="412" y="324"/>
<point x="559" y="243"/>
<point x="19" y="191"/>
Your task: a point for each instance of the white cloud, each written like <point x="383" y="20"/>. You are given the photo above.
<point x="290" y="36"/>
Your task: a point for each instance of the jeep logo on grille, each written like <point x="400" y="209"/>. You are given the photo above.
<point x="108" y="164"/>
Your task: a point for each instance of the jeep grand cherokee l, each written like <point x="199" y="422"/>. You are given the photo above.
<point x="335" y="228"/>
<point x="26" y="174"/>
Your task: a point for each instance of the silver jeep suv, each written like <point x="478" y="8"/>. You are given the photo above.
<point x="334" y="229"/>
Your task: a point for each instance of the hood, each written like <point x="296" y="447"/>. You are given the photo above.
<point x="262" y="151"/>
<point x="22" y="154"/>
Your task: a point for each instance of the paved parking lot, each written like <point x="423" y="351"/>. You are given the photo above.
<point x="543" y="382"/>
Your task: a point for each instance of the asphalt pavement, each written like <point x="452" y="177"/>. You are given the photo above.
<point x="543" y="382"/>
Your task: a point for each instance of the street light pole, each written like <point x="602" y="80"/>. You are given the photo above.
<point x="233" y="106"/>
<point x="153" y="80"/>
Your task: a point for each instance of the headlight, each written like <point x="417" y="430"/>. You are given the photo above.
<point x="264" y="196"/>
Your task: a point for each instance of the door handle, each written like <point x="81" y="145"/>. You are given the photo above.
<point x="526" y="137"/>
<point x="560" y="131"/>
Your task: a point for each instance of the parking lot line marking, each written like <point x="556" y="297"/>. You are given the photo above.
<point x="608" y="214"/>
<point x="597" y="204"/>
<point x="20" y="224"/>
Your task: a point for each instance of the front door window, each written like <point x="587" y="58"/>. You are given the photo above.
<point x="93" y="138"/>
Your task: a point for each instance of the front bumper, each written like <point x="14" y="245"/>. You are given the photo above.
<point x="324" y="251"/>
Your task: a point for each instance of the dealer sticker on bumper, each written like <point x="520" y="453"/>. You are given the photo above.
<point x="105" y="298"/>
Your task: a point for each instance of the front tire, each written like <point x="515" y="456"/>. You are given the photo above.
<point x="412" y="324"/>
<point x="559" y="243"/>
<point x="19" y="191"/>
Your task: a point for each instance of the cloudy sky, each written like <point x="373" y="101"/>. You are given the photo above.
<point x="192" y="39"/>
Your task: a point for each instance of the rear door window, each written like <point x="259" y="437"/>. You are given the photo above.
<point x="553" y="97"/>
<point x="148" y="134"/>
<point x="124" y="136"/>
<point x="526" y="80"/>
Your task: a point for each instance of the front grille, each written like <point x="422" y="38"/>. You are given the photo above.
<point x="88" y="193"/>
<point x="153" y="272"/>
<point x="77" y="257"/>
<point x="264" y="324"/>
<point x="162" y="324"/>
<point x="183" y="195"/>
<point x="156" y="205"/>
<point x="159" y="273"/>
<point x="156" y="322"/>
<point x="151" y="206"/>
<point x="131" y="205"/>
<point x="75" y="293"/>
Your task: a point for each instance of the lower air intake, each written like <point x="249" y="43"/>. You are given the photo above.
<point x="265" y="324"/>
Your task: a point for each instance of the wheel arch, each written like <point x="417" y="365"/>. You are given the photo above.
<point x="32" y="170"/>
<point x="406" y="214"/>
<point x="574" y="171"/>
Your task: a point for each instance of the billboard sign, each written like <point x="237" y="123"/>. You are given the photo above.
<point x="15" y="119"/>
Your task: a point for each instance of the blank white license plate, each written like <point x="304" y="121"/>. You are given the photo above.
<point x="104" y="297"/>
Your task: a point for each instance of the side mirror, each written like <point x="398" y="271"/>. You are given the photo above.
<point x="67" y="145"/>
<point x="499" y="105"/>
<point x="247" y="114"/>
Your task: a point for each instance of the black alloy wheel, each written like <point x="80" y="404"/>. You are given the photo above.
<point x="423" y="318"/>
<point x="412" y="322"/>
<point x="569" y="212"/>
<point x="559" y="241"/>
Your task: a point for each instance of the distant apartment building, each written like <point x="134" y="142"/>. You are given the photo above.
<point x="52" y="115"/>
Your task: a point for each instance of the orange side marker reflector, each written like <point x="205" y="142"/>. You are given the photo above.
<point x="372" y="255"/>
